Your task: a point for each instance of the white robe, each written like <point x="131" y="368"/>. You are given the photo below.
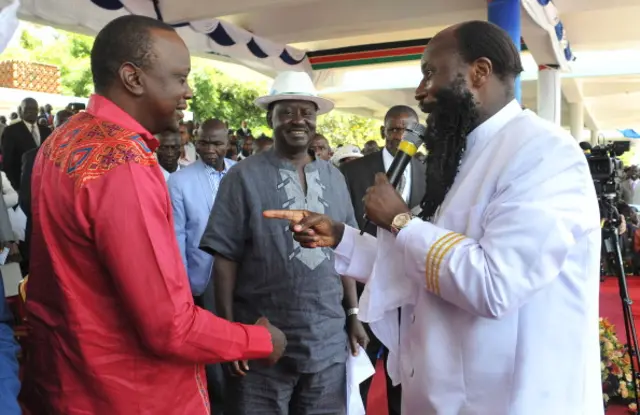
<point x="500" y="297"/>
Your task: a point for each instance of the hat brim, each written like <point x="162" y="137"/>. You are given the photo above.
<point x="323" y="104"/>
<point x="346" y="156"/>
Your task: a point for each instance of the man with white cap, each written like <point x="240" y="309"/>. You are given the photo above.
<point x="345" y="154"/>
<point x="261" y="271"/>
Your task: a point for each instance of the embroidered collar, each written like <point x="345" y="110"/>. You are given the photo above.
<point x="105" y="109"/>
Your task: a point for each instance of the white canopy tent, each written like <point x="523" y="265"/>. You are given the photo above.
<point x="602" y="85"/>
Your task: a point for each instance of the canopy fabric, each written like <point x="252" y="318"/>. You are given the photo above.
<point x="554" y="48"/>
<point x="630" y="133"/>
<point x="8" y="24"/>
<point x="203" y="37"/>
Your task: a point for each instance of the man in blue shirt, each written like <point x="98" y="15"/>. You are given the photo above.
<point x="193" y="190"/>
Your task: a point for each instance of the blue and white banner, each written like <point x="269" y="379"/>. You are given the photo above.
<point x="210" y="36"/>
<point x="545" y="15"/>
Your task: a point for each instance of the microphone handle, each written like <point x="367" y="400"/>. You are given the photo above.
<point x="394" y="174"/>
<point x="397" y="168"/>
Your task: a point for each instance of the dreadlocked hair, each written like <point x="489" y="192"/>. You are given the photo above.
<point x="446" y="139"/>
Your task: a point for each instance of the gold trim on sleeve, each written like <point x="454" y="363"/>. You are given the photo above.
<point x="436" y="254"/>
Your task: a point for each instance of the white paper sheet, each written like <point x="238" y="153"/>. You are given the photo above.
<point x="11" y="277"/>
<point x="359" y="368"/>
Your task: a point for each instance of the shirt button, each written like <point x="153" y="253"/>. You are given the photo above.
<point x="413" y="371"/>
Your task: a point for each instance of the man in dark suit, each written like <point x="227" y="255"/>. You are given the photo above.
<point x="21" y="137"/>
<point x="244" y="131"/>
<point x="24" y="193"/>
<point x="360" y="175"/>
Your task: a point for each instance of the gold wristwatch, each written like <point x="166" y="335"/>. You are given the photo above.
<point x="400" y="222"/>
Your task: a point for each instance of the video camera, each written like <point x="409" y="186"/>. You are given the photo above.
<point x="606" y="168"/>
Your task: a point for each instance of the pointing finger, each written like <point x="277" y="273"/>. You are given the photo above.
<point x="307" y="223"/>
<point x="294" y="216"/>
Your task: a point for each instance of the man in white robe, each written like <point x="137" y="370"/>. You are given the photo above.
<point x="498" y="276"/>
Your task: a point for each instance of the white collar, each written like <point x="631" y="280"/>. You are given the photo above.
<point x="387" y="158"/>
<point x="167" y="171"/>
<point x="494" y="124"/>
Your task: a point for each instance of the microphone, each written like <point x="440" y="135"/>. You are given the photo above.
<point x="408" y="147"/>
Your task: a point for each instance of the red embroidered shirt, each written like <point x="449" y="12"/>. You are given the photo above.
<point x="113" y="326"/>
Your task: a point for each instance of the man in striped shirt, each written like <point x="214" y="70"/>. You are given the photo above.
<point x="193" y="190"/>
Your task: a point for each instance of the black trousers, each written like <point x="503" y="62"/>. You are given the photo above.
<point x="394" y="393"/>
<point x="215" y="374"/>
<point x="281" y="390"/>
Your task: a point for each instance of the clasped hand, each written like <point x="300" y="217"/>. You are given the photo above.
<point x="279" y="342"/>
<point x="313" y="230"/>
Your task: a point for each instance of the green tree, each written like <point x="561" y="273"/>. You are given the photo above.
<point x="215" y="95"/>
<point x="341" y="128"/>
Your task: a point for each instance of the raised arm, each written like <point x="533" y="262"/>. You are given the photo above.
<point x="355" y="253"/>
<point x="545" y="207"/>
<point x="224" y="237"/>
<point x="131" y="214"/>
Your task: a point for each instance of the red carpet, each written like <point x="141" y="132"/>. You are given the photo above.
<point x="610" y="307"/>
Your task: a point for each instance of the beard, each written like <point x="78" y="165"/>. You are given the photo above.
<point x="453" y="118"/>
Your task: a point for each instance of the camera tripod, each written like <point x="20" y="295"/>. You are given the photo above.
<point x="611" y="247"/>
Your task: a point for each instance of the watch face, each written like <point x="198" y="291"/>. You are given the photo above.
<point x="401" y="220"/>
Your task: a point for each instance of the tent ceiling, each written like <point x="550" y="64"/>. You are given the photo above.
<point x="325" y="24"/>
<point x="330" y="23"/>
<point x="613" y="102"/>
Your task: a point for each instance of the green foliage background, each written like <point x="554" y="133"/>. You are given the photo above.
<point x="216" y="95"/>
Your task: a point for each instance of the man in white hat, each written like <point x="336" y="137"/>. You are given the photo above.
<point x="259" y="270"/>
<point x="345" y="154"/>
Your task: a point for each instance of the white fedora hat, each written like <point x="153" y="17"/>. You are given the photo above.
<point x="296" y="86"/>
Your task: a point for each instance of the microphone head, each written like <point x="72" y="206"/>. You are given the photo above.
<point x="415" y="134"/>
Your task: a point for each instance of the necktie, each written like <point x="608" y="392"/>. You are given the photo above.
<point x="401" y="185"/>
<point x="34" y="133"/>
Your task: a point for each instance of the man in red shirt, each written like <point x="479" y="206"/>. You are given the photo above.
<point x="114" y="327"/>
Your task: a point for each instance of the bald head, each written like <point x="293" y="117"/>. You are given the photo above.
<point x="399" y="110"/>
<point x="396" y="121"/>
<point x="61" y="117"/>
<point x="476" y="40"/>
<point x="168" y="151"/>
<point x="28" y="110"/>
<point x="213" y="125"/>
<point x="213" y="143"/>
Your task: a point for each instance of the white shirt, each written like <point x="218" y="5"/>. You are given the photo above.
<point x="387" y="159"/>
<point x="500" y="296"/>
<point x="35" y="132"/>
<point x="190" y="155"/>
<point x="166" y="174"/>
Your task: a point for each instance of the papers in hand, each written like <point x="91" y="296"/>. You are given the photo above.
<point x="359" y="368"/>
